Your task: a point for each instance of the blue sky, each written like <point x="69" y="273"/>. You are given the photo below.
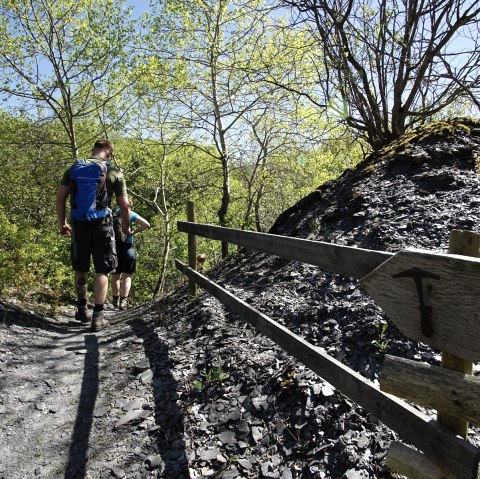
<point x="139" y="6"/>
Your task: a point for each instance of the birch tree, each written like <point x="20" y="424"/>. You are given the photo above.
<point x="63" y="60"/>
<point x="213" y="40"/>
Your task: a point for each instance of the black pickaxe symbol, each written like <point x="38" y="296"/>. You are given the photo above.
<point x="418" y="274"/>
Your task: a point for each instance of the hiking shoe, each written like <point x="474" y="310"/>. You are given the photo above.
<point x="99" y="321"/>
<point x="82" y="315"/>
<point x="123" y="304"/>
<point x="116" y="302"/>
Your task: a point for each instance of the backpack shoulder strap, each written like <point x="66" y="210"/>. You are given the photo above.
<point x="103" y="167"/>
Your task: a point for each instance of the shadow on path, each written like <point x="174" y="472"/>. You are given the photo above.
<point x="168" y="416"/>
<point x="19" y="316"/>
<point x="78" y="454"/>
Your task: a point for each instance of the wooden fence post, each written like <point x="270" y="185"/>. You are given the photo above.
<point x="192" y="247"/>
<point x="465" y="243"/>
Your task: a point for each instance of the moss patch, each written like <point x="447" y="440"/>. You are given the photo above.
<point x="448" y="130"/>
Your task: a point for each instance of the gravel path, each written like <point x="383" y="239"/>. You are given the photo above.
<point x="42" y="375"/>
<point x="68" y="398"/>
<point x="141" y="399"/>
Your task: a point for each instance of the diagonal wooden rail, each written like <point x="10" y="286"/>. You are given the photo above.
<point x="457" y="458"/>
<point x="346" y="260"/>
<point x="387" y="277"/>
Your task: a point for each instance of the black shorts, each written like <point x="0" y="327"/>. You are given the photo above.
<point x="127" y="258"/>
<point x="96" y="239"/>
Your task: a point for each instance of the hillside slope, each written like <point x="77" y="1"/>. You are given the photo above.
<point x="180" y="388"/>
<point x="411" y="194"/>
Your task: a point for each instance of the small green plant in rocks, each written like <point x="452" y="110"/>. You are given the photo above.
<point x="211" y="375"/>
<point x="382" y="343"/>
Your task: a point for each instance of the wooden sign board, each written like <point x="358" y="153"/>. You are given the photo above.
<point x="431" y="297"/>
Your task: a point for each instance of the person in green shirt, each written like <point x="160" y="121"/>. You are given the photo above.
<point x="95" y="237"/>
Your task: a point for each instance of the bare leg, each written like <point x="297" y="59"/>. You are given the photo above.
<point x="126" y="285"/>
<point x="80" y="279"/>
<point x="100" y="288"/>
<point x="116" y="284"/>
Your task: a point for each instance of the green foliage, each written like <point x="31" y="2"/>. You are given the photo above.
<point x="35" y="260"/>
<point x="338" y="109"/>
<point x="31" y="263"/>
<point x="64" y="61"/>
<point x="197" y="115"/>
<point x="382" y="343"/>
<point x="210" y="375"/>
<point x="352" y="51"/>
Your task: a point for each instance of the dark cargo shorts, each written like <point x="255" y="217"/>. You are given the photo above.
<point x="95" y="239"/>
<point x="127" y="258"/>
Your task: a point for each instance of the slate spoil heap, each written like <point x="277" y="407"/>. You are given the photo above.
<point x="184" y="389"/>
<point x="270" y="416"/>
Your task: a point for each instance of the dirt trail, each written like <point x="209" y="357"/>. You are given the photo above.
<point x="62" y="392"/>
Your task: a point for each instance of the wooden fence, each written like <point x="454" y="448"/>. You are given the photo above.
<point x="431" y="297"/>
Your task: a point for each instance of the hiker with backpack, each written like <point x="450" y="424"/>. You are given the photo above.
<point x="91" y="183"/>
<point x="127" y="257"/>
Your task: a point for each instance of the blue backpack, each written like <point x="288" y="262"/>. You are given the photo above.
<point x="88" y="179"/>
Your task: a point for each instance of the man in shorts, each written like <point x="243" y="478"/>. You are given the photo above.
<point x="93" y="238"/>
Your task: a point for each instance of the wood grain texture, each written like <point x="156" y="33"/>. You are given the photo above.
<point x="455" y="322"/>
<point x="412" y="463"/>
<point x="346" y="260"/>
<point x="432" y="386"/>
<point x="453" y="299"/>
<point x="464" y="243"/>
<point x="456" y="456"/>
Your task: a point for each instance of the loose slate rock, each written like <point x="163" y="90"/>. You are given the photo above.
<point x="146" y="377"/>
<point x="142" y="365"/>
<point x="230" y="474"/>
<point x="208" y="454"/>
<point x="327" y="390"/>
<point x="133" y="404"/>
<point x="243" y="428"/>
<point x="387" y="203"/>
<point x="118" y="473"/>
<point x="227" y="437"/>
<point x="245" y="463"/>
<point x="354" y="474"/>
<point x="132" y="417"/>
<point x="100" y="411"/>
<point x="268" y="471"/>
<point x="257" y="433"/>
<point x="260" y="403"/>
<point x="154" y="462"/>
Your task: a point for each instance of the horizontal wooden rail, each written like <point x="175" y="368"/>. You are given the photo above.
<point x="455" y="456"/>
<point x="346" y="260"/>
<point x="431" y="386"/>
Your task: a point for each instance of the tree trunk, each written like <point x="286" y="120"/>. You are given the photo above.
<point x="160" y="286"/>
<point x="222" y="212"/>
